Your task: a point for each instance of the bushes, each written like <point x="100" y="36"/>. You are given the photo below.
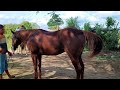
<point x="109" y="37"/>
<point x="110" y="34"/>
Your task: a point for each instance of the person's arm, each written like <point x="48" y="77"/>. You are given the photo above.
<point x="3" y="45"/>
<point x="5" y="49"/>
<point x="9" y="53"/>
<point x="1" y="49"/>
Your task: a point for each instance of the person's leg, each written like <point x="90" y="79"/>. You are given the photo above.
<point x="6" y="69"/>
<point x="10" y="76"/>
<point x="1" y="66"/>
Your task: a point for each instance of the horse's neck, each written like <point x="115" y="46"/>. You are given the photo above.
<point x="26" y="36"/>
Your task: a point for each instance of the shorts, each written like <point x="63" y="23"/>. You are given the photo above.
<point x="3" y="63"/>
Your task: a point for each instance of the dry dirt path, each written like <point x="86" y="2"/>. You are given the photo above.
<point x="60" y="67"/>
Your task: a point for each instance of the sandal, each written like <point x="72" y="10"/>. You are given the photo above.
<point x="12" y="76"/>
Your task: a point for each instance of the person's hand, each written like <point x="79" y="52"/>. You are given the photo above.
<point x="9" y="53"/>
<point x="1" y="50"/>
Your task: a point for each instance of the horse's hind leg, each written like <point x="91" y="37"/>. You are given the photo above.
<point x="82" y="67"/>
<point x="78" y="65"/>
<point x="34" y="58"/>
<point x="39" y="65"/>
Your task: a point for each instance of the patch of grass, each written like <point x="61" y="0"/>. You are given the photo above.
<point x="12" y="64"/>
<point x="86" y="50"/>
<point x="103" y="57"/>
<point x="109" y="56"/>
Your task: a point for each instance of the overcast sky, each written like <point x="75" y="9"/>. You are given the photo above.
<point x="42" y="18"/>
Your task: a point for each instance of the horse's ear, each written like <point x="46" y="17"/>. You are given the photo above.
<point x="12" y="32"/>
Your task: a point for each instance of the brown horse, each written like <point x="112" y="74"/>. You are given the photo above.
<point x="69" y="40"/>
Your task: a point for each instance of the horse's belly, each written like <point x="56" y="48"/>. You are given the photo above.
<point x="51" y="51"/>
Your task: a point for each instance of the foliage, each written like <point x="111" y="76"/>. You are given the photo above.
<point x="99" y="29"/>
<point x="55" y="21"/>
<point x="87" y="26"/>
<point x="8" y="28"/>
<point x="26" y="24"/>
<point x="110" y="22"/>
<point x="72" y="22"/>
<point x="109" y="56"/>
<point x="35" y="26"/>
<point x="109" y="35"/>
<point x="111" y="39"/>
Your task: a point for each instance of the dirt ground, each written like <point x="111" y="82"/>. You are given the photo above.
<point x="60" y="67"/>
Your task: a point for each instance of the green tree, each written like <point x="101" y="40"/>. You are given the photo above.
<point x="55" y="21"/>
<point x="87" y="26"/>
<point x="110" y="22"/>
<point x="72" y="22"/>
<point x="8" y="28"/>
<point x="26" y="24"/>
<point x="109" y="35"/>
<point x="8" y="34"/>
<point x="99" y="29"/>
<point x="35" y="26"/>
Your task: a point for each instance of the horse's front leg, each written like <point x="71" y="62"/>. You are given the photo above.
<point x="34" y="58"/>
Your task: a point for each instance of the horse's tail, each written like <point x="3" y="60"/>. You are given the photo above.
<point x="95" y="43"/>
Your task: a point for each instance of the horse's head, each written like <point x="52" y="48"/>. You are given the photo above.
<point x="15" y="40"/>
